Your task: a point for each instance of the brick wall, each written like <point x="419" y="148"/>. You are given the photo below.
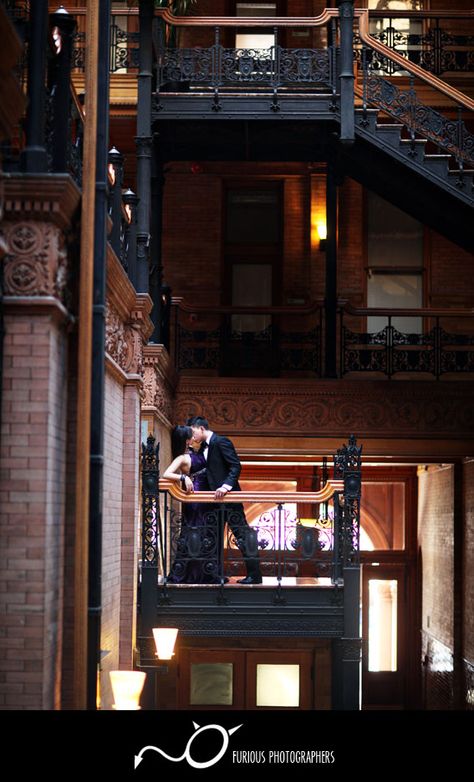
<point x="112" y="531"/>
<point x="32" y="463"/>
<point x="435" y="537"/>
<point x="468" y="568"/>
<point x="130" y="523"/>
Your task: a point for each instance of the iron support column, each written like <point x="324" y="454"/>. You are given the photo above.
<point x="156" y="271"/>
<point x="331" y="274"/>
<point x="98" y="359"/>
<point x="63" y="26"/>
<point x="346" y="21"/>
<point x="144" y="144"/>
<point x="34" y="159"/>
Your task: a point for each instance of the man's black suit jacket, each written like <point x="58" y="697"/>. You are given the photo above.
<point x="223" y="464"/>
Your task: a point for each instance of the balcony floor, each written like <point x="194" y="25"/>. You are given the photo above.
<point x="268" y="582"/>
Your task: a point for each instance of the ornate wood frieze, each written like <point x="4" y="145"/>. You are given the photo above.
<point x="158" y="383"/>
<point x="127" y="321"/>
<point x="329" y="408"/>
<point x="36" y="261"/>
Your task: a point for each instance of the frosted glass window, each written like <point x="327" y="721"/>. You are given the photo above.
<point x="250" y="39"/>
<point x="251" y="286"/>
<point x="211" y="684"/>
<point x="278" y="685"/>
<point x="392" y="291"/>
<point x="394" y="242"/>
<point x="383" y="600"/>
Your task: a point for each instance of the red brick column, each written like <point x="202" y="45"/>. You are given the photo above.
<point x="33" y="444"/>
<point x="128" y="328"/>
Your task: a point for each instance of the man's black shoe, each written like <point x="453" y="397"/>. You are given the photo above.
<point x="250" y="580"/>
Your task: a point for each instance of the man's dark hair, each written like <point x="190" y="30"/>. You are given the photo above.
<point x="198" y="420"/>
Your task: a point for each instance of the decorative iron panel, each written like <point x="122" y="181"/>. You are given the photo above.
<point x="217" y="66"/>
<point x="449" y="134"/>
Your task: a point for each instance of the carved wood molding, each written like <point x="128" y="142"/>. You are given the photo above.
<point x="159" y="383"/>
<point x="127" y="321"/>
<point x="375" y="409"/>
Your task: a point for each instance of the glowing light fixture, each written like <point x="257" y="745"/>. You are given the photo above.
<point x="322" y="230"/>
<point x="127" y="687"/>
<point x="165" y="639"/>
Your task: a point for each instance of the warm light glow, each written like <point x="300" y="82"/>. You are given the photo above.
<point x="128" y="212"/>
<point x="111" y="170"/>
<point x="165" y="639"/>
<point x="127" y="687"/>
<point x="321" y="230"/>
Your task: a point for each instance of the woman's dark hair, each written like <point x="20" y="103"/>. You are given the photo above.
<point x="179" y="435"/>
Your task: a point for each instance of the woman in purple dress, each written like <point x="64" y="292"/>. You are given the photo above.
<point x="197" y="541"/>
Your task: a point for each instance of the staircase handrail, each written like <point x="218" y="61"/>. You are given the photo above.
<point x="407" y="65"/>
<point x="229" y="309"/>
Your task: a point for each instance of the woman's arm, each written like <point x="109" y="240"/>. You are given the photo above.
<point x="177" y="471"/>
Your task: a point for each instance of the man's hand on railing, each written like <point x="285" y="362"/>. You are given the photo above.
<point x="221" y="492"/>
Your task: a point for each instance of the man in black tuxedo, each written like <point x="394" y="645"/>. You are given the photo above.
<point x="223" y="470"/>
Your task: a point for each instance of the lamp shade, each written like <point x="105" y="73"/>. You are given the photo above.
<point x="165" y="639"/>
<point x="127" y="687"/>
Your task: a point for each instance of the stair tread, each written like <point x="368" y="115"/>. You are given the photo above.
<point x="388" y="126"/>
<point x="414" y="141"/>
<point x="457" y="171"/>
<point x="438" y="157"/>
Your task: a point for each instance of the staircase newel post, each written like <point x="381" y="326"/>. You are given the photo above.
<point x="151" y="534"/>
<point x="346" y="21"/>
<point x="347" y="649"/>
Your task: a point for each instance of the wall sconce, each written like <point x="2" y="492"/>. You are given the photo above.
<point x="115" y="160"/>
<point x="127" y="687"/>
<point x="165" y="639"/>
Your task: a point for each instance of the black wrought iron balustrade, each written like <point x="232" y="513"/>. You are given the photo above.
<point x="432" y="350"/>
<point x="285" y="546"/>
<point x="269" y="345"/>
<point x="124" y="49"/>
<point x="449" y="133"/>
<point x="199" y="541"/>
<point x="439" y="44"/>
<point x="217" y="66"/>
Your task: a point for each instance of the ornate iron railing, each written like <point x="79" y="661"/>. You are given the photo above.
<point x="183" y="547"/>
<point x="218" y="66"/>
<point x="436" y="348"/>
<point x="447" y="131"/>
<point x="437" y="42"/>
<point x="236" y="340"/>
<point x="124" y="49"/>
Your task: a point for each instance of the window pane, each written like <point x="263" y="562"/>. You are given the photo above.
<point x="251" y="286"/>
<point x="211" y="684"/>
<point x="252" y="217"/>
<point x="382" y="625"/>
<point x="278" y="685"/>
<point x="391" y="291"/>
<point x="394" y="237"/>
